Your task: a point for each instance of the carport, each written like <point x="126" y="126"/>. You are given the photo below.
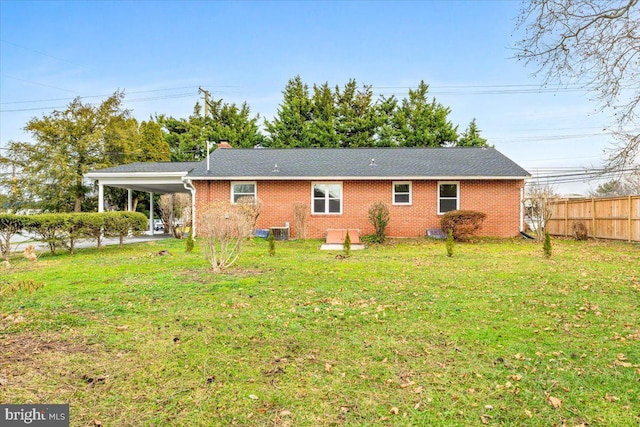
<point x="152" y="178"/>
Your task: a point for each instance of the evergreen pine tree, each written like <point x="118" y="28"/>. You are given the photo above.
<point x="546" y="246"/>
<point x="346" y="246"/>
<point x="272" y="243"/>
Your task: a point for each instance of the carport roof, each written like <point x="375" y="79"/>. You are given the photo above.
<point x="151" y="177"/>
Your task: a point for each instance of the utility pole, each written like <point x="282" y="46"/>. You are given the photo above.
<point x="206" y="94"/>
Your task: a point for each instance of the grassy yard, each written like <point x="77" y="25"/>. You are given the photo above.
<point x="396" y="335"/>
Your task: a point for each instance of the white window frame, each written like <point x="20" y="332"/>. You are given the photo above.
<point x="313" y="212"/>
<point x="457" y="184"/>
<point x="255" y="190"/>
<point x="394" y="193"/>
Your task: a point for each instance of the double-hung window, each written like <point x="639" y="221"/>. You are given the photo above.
<point x="242" y="189"/>
<point x="448" y="197"/>
<point x="327" y="198"/>
<point x="402" y="193"/>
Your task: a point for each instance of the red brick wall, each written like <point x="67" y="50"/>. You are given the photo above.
<point x="500" y="200"/>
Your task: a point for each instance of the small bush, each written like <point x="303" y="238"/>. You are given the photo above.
<point x="49" y="228"/>
<point x="379" y="218"/>
<point x="272" y="243"/>
<point x="449" y="243"/>
<point x="579" y="231"/>
<point x="120" y="224"/>
<point x="189" y="243"/>
<point x="546" y="246"/>
<point x="463" y="224"/>
<point x="346" y="246"/>
<point x="10" y="225"/>
<point x="93" y="226"/>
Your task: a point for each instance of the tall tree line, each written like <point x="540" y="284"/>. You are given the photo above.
<point x="48" y="173"/>
<point x="350" y="117"/>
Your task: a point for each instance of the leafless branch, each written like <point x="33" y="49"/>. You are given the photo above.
<point x="593" y="42"/>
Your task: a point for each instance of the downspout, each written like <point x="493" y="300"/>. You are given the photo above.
<point x="522" y="209"/>
<point x="189" y="186"/>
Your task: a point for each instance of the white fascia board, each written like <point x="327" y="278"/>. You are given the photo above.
<point x="357" y="178"/>
<point x="139" y="181"/>
<point x="103" y="175"/>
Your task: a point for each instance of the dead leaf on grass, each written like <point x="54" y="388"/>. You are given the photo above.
<point x="555" y="402"/>
<point x="610" y="398"/>
<point x="394" y="410"/>
<point x="328" y="367"/>
<point x="622" y="364"/>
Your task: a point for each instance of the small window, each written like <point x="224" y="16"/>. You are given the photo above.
<point x="327" y="198"/>
<point x="242" y="189"/>
<point x="402" y="193"/>
<point x="448" y="197"/>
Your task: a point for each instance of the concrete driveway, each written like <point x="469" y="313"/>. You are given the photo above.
<point x="19" y="242"/>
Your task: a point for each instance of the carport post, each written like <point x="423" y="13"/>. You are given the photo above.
<point x="129" y="200"/>
<point x="100" y="197"/>
<point x="151" y="213"/>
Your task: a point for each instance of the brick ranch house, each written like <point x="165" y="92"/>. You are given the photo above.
<point x="338" y="185"/>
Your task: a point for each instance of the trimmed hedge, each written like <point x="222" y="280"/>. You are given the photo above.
<point x="463" y="224"/>
<point x="10" y="225"/>
<point x="65" y="229"/>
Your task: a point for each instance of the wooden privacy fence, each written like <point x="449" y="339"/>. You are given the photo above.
<point x="616" y="218"/>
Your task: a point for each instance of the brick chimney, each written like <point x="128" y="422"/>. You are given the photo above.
<point x="224" y="143"/>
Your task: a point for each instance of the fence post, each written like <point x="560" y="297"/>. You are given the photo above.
<point x="593" y="217"/>
<point x="629" y="218"/>
<point x="566" y="217"/>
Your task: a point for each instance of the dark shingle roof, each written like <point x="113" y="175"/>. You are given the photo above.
<point x="150" y="167"/>
<point x="356" y="163"/>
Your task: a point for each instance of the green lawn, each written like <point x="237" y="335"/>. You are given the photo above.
<point x="395" y="335"/>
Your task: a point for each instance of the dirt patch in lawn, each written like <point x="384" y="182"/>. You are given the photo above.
<point x="25" y="347"/>
<point x="207" y="276"/>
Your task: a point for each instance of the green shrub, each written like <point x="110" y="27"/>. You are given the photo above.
<point x="121" y="224"/>
<point x="93" y="226"/>
<point x="50" y="228"/>
<point x="449" y="243"/>
<point x="272" y="243"/>
<point x="189" y="243"/>
<point x="546" y="246"/>
<point x="10" y="225"/>
<point x="463" y="224"/>
<point x="346" y="246"/>
<point x="379" y="218"/>
<point x="74" y="229"/>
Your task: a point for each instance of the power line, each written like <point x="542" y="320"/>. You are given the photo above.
<point x="109" y="94"/>
<point x="37" y="51"/>
<point x="154" y="98"/>
<point x="39" y="84"/>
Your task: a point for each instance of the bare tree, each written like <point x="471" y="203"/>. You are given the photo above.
<point x="594" y="42"/>
<point x="224" y="228"/>
<point x="175" y="213"/>
<point x="537" y="208"/>
<point x="251" y="207"/>
<point x="300" y="211"/>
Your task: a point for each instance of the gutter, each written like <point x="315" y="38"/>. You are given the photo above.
<point x="189" y="186"/>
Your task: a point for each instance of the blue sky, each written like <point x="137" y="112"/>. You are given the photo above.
<point x="160" y="52"/>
